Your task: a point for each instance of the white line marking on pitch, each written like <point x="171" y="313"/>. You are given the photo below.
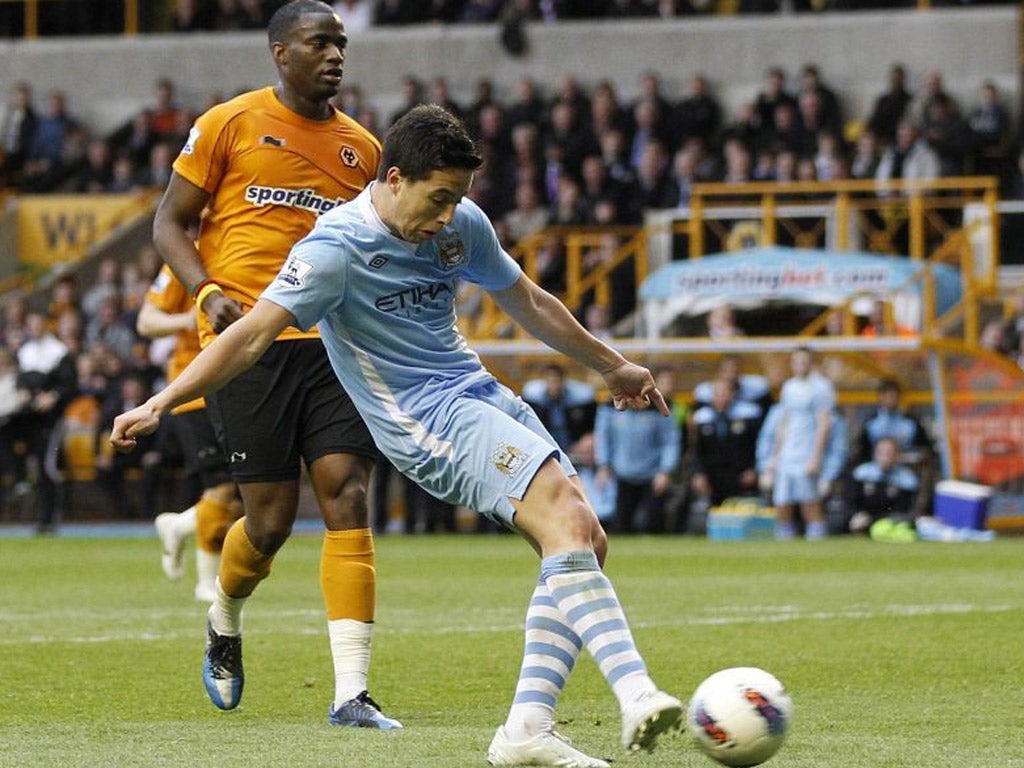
<point x="777" y="614"/>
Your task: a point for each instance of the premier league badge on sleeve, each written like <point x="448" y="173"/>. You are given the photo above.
<point x="451" y="249"/>
<point x="294" y="272"/>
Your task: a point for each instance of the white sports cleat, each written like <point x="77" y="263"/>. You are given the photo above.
<point x="546" y="748"/>
<point x="647" y="717"/>
<point x="173" y="544"/>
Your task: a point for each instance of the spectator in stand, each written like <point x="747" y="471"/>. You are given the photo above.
<point x="655" y="184"/>
<point x="111" y="467"/>
<point x="932" y="90"/>
<point x="890" y="421"/>
<point x="63" y="299"/>
<point x="744" y="127"/>
<point x="801" y="437"/>
<point x="684" y="175"/>
<point x="699" y="114"/>
<point x="157" y="171"/>
<point x="528" y="216"/>
<point x="493" y="133"/>
<point x="441" y="95"/>
<point x="771" y="97"/>
<point x="866" y="157"/>
<point x="786" y="132"/>
<point x="569" y="132"/>
<point x="107" y="328"/>
<point x="47" y="376"/>
<point x="16" y="132"/>
<point x="527" y="154"/>
<point x="647" y="119"/>
<point x="412" y="95"/>
<point x="122" y="175"/>
<point x="990" y="125"/>
<point x="605" y="112"/>
<point x="948" y="135"/>
<point x="12" y="329"/>
<point x="721" y="322"/>
<point x="141" y="138"/>
<point x="909" y="157"/>
<point x="830" y="162"/>
<point x="640" y="455"/>
<point x="881" y="487"/>
<point x="69" y="331"/>
<point x="357" y="15"/>
<point x="527" y="104"/>
<point x="572" y="92"/>
<point x="98" y="172"/>
<point x="163" y="117"/>
<point x="13" y="402"/>
<point x="233" y="15"/>
<point x="880" y="322"/>
<point x="570" y="208"/>
<point x="831" y="117"/>
<point x="615" y="153"/>
<point x="891" y="106"/>
<point x="739" y="163"/>
<point x="45" y="159"/>
<point x="566" y="407"/>
<point x="723" y="440"/>
<point x="190" y="16"/>
<point x="106" y="285"/>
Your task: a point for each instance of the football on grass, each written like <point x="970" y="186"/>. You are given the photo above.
<point x="740" y="716"/>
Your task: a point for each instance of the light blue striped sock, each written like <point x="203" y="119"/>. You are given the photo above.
<point x="549" y="654"/>
<point x="588" y="602"/>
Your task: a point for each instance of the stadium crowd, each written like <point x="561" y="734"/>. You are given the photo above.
<point x="575" y="155"/>
<point x="90" y="17"/>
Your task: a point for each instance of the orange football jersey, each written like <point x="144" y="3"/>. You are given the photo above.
<point x="270" y="172"/>
<point x="168" y="295"/>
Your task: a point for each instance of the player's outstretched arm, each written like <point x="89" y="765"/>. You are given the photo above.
<point x="544" y="316"/>
<point x="234" y="351"/>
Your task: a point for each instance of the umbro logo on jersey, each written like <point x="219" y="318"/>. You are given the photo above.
<point x="378" y="261"/>
<point x="272" y="141"/>
<point x="348" y="156"/>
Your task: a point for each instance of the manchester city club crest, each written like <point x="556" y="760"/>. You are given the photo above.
<point x="451" y="249"/>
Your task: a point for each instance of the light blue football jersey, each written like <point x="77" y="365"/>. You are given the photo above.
<point x="385" y="309"/>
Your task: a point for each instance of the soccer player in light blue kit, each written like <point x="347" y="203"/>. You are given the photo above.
<point x="798" y="453"/>
<point x="378" y="277"/>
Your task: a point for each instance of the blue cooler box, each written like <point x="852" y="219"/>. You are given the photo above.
<point x="962" y="505"/>
<point x="733" y="526"/>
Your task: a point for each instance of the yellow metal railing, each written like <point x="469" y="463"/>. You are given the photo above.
<point x="879" y="209"/>
<point x="876" y="213"/>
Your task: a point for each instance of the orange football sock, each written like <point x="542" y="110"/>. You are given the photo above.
<point x="242" y="566"/>
<point x="213" y="518"/>
<point x="348" y="577"/>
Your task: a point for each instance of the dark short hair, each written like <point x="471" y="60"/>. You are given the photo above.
<point x="889" y="385"/>
<point x="425" y="139"/>
<point x="284" y="18"/>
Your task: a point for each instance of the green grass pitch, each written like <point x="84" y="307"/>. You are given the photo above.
<point x="896" y="656"/>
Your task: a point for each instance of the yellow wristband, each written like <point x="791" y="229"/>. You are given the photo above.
<point x="206" y="291"/>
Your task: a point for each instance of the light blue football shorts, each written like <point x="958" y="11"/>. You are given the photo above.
<point x="476" y="448"/>
<point x="794" y="488"/>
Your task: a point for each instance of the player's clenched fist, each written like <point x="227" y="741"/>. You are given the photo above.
<point x="138" y="421"/>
